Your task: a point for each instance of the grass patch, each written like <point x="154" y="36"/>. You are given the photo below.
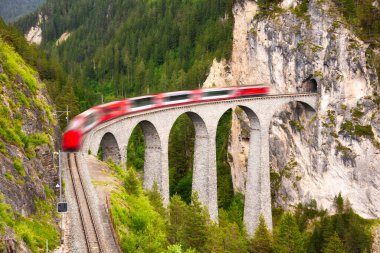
<point x="138" y="225"/>
<point x="34" y="230"/>
<point x="32" y="141"/>
<point x="14" y="64"/>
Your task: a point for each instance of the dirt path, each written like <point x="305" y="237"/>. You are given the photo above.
<point x="101" y="177"/>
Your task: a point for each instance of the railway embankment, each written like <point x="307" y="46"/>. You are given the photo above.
<point x="96" y="184"/>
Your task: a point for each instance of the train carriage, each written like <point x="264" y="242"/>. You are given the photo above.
<point x="87" y="120"/>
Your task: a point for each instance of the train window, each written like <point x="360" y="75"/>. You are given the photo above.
<point x="90" y="119"/>
<point x="141" y="102"/>
<point x="178" y="97"/>
<point x="74" y="124"/>
<point x="216" y="93"/>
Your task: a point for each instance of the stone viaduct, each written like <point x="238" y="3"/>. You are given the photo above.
<point x="156" y="124"/>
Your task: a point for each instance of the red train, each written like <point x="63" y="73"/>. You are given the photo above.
<point x="87" y="120"/>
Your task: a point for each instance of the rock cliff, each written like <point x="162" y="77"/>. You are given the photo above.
<point x="28" y="136"/>
<point x="338" y="149"/>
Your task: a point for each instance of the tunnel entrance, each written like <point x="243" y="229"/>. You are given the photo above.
<point x="310" y="85"/>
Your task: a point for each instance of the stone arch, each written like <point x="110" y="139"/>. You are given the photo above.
<point x="298" y="106"/>
<point x="200" y="156"/>
<point x="251" y="188"/>
<point x="152" y="154"/>
<point x="109" y="148"/>
<point x="252" y="202"/>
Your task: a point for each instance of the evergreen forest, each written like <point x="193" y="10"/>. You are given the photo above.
<point x="128" y="48"/>
<point x="144" y="225"/>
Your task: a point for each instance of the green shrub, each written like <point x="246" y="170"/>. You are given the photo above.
<point x="131" y="183"/>
<point x="18" y="165"/>
<point x="9" y="176"/>
<point x="365" y="131"/>
<point x="343" y="149"/>
<point x="347" y="127"/>
<point x="297" y="125"/>
<point x="3" y="148"/>
<point x="32" y="141"/>
<point x="22" y="98"/>
<point x="357" y="113"/>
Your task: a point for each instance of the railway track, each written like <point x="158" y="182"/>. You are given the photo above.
<point x="91" y="234"/>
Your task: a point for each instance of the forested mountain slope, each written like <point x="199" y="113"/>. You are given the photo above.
<point x="128" y="48"/>
<point x="10" y="10"/>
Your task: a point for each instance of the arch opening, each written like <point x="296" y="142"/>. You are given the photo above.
<point x="144" y="153"/>
<point x="109" y="148"/>
<point x="188" y="157"/>
<point x="181" y="157"/>
<point x="136" y="149"/>
<point x="237" y="129"/>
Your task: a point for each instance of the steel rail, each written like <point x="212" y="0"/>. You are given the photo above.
<point x="76" y="189"/>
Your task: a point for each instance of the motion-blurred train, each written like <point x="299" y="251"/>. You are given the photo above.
<point x="87" y="120"/>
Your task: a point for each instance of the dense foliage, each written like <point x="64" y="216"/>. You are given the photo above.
<point x="225" y="188"/>
<point x="144" y="225"/>
<point x="49" y="70"/>
<point x="136" y="149"/>
<point x="128" y="48"/>
<point x="35" y="230"/>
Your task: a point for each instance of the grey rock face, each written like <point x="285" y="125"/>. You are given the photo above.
<point x="26" y="160"/>
<point x="338" y="150"/>
<point x="12" y="245"/>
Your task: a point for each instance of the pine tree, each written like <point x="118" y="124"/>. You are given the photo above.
<point x="132" y="183"/>
<point x="262" y="239"/>
<point x="339" y="203"/>
<point x="177" y="216"/>
<point x="334" y="245"/>
<point x="195" y="230"/>
<point x="155" y="199"/>
<point x="287" y="237"/>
